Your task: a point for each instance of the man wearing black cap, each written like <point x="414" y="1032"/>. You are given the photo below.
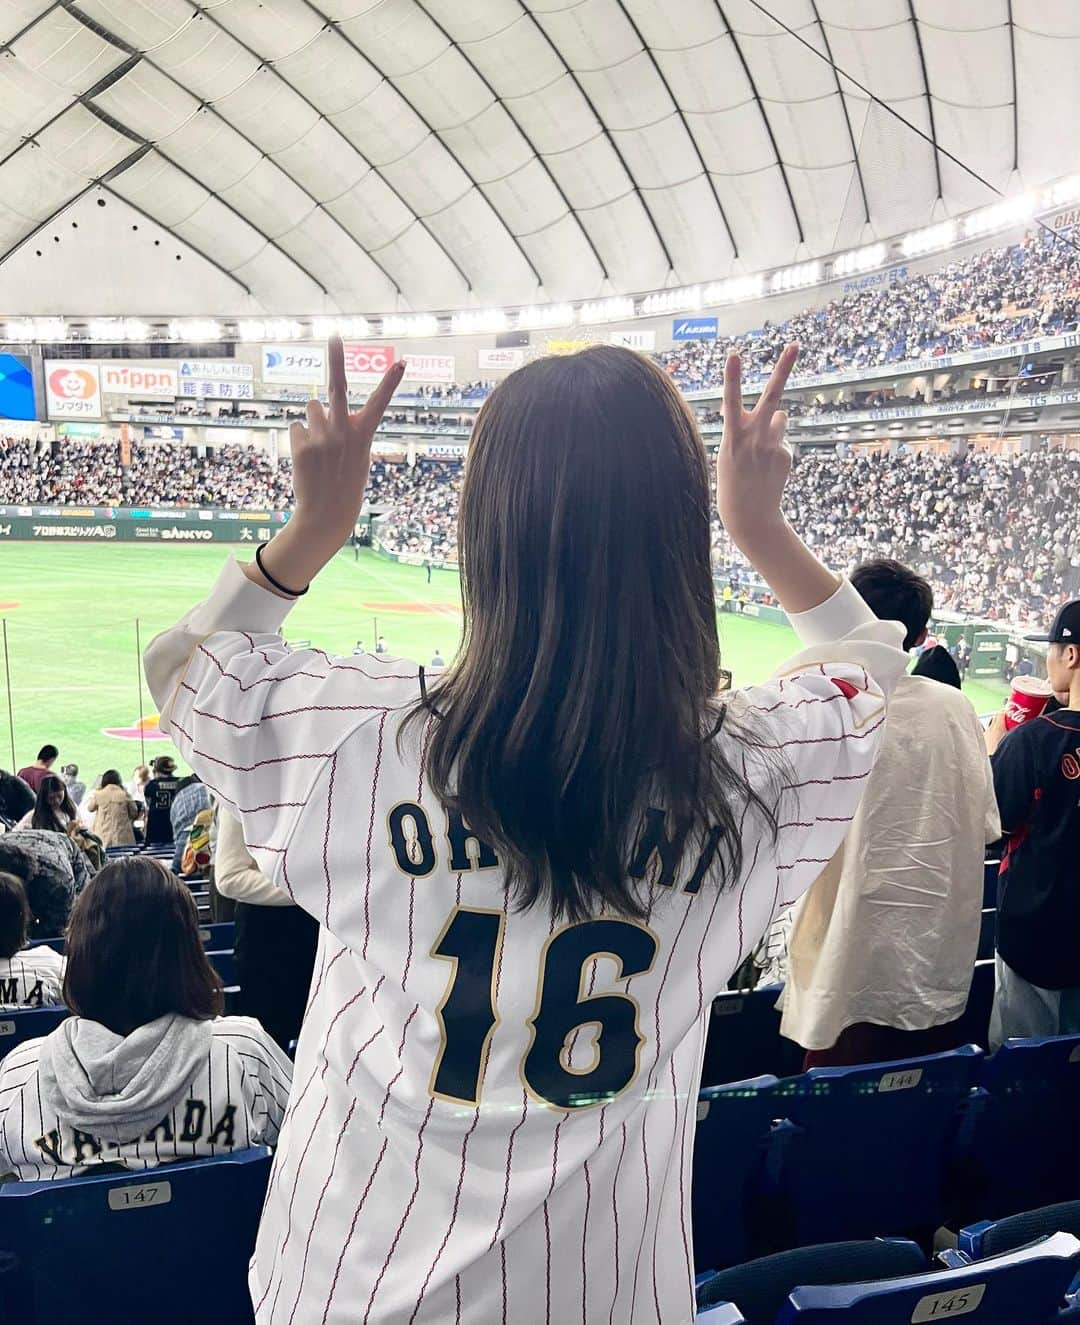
<point x="1037" y="781"/>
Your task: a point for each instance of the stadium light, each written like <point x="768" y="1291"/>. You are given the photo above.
<point x="606" y="310"/>
<point x="545" y="315"/>
<point x="1000" y="215"/>
<point x="274" y="329"/>
<point x="796" y="278"/>
<point x="198" y="330"/>
<point x="860" y="260"/>
<point x="470" y="322"/>
<point x="671" y="301"/>
<point x="735" y="290"/>
<point x="415" y="324"/>
<point x="925" y="241"/>
<point x="322" y="328"/>
<point x="36" y="328"/>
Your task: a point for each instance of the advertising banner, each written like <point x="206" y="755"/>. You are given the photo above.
<point x="72" y="389"/>
<point x="568" y="346"/>
<point x="294" y="363"/>
<point x="694" y="328"/>
<point x="499" y="361"/>
<point x="201" y="387"/>
<point x="103" y="524"/>
<point x="430" y="368"/>
<point x="217" y="370"/>
<point x="366" y="363"/>
<point x="16" y="387"/>
<point x="644" y="341"/>
<point x="139" y="379"/>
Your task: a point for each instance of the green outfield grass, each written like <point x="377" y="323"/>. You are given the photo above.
<point x="72" y="636"/>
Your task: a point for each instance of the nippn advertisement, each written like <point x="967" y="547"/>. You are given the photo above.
<point x="139" y="379"/>
<point x="72" y="389"/>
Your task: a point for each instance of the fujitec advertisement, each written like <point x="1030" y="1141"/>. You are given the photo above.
<point x="72" y="389"/>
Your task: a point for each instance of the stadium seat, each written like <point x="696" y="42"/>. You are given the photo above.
<point x="863" y="1150"/>
<point x="722" y="1314"/>
<point x="987" y="936"/>
<point x="974" y="1027"/>
<point x="761" y="1287"/>
<point x="224" y="962"/>
<point x="22" y="1024"/>
<point x="732" y="1128"/>
<point x="169" y="1246"/>
<point x="1019" y="1142"/>
<point x="744" y="1038"/>
<point x="219" y="937"/>
<point x="992" y="1237"/>
<point x="990" y="884"/>
<point x="1025" y="1287"/>
<point x="56" y="944"/>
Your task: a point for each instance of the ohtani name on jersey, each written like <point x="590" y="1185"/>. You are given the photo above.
<point x="67" y="1145"/>
<point x="657" y="855"/>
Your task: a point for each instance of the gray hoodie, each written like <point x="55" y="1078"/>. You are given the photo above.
<point x="118" y="1087"/>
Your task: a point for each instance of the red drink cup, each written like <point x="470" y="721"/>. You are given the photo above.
<point x="1027" y="699"/>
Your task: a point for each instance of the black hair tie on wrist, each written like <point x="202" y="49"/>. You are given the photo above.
<point x="289" y="593"/>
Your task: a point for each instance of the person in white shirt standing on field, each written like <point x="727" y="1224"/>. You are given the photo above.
<point x="533" y="871"/>
<point x="883" y="946"/>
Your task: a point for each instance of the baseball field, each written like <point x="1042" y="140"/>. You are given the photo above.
<point x="74" y="612"/>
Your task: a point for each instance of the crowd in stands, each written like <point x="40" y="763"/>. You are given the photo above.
<point x="423" y="506"/>
<point x="991" y="298"/>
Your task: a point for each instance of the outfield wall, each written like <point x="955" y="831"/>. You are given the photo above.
<point x="105" y="524"/>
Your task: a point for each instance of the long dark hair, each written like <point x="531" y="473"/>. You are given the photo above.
<point x="586" y="688"/>
<point x="44" y="814"/>
<point x="134" y="952"/>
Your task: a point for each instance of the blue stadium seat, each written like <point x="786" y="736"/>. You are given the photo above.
<point x="169" y="1246"/>
<point x="1020" y="1141"/>
<point x="864" y="1150"/>
<point x="733" y="1124"/>
<point x="225" y="965"/>
<point x="987" y="935"/>
<point x="992" y="1237"/>
<point x="990" y="884"/>
<point x="22" y="1024"/>
<point x="760" y="1288"/>
<point x="219" y="937"/>
<point x="722" y="1314"/>
<point x="1026" y="1287"/>
<point x="744" y="1038"/>
<point x="56" y="944"/>
<point x="974" y="1025"/>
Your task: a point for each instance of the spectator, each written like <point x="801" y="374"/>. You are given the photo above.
<point x="53" y="871"/>
<point x="114" y="812"/>
<point x="34" y="774"/>
<point x="939" y="665"/>
<point x="29" y="977"/>
<point x="275" y="939"/>
<point x="147" y="1070"/>
<point x="586" y="776"/>
<point x="1037" y="777"/>
<point x="76" y="789"/>
<point x="1025" y="667"/>
<point x="53" y="810"/>
<point x="191" y="797"/>
<point x="159" y="793"/>
<point x="136" y="787"/>
<point x="16" y="799"/>
<point x="883" y="945"/>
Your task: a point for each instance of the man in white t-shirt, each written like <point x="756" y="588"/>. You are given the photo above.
<point x="882" y="949"/>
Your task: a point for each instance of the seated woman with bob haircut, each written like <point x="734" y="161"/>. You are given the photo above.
<point x="146" y="1070"/>
<point x="29" y="977"/>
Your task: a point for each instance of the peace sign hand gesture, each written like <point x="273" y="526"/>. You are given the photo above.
<point x="753" y="462"/>
<point x="331" y="456"/>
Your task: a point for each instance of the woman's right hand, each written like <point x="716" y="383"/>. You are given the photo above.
<point x="753" y="462"/>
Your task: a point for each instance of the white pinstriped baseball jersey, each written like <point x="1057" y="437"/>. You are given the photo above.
<point x="235" y="1099"/>
<point x="32" y="978"/>
<point x="492" y="1116"/>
